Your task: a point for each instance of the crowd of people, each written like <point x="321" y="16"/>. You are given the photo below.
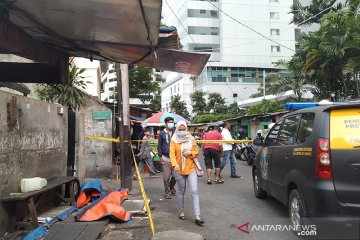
<point x="178" y="152"/>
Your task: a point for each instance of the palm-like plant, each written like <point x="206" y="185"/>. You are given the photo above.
<point x="71" y="94"/>
<point x="306" y="15"/>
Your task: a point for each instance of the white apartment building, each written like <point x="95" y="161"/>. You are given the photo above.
<point x="240" y="57"/>
<point x="108" y="83"/>
<point x="176" y="84"/>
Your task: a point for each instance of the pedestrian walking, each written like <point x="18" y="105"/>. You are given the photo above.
<point x="183" y="150"/>
<point x="228" y="151"/>
<point x="145" y="156"/>
<point x="212" y="153"/>
<point x="164" y="154"/>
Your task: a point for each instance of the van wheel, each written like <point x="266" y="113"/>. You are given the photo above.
<point x="296" y="208"/>
<point x="259" y="192"/>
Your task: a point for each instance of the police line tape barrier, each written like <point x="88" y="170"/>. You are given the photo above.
<point x="146" y="202"/>
<point x="155" y="140"/>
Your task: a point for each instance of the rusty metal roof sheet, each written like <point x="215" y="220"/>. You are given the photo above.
<point x="125" y="31"/>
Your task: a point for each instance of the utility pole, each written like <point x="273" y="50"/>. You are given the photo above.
<point x="122" y="72"/>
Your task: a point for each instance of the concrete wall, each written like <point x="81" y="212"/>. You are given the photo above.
<point x="97" y="154"/>
<point x="36" y="146"/>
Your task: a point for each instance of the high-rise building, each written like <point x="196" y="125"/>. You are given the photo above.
<point x="245" y="39"/>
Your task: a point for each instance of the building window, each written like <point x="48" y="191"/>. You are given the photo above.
<point x="197" y="30"/>
<point x="274" y="15"/>
<point x="196" y="13"/>
<point x="235" y="95"/>
<point x="214" y="13"/>
<point x="275" y="32"/>
<point x="275" y="49"/>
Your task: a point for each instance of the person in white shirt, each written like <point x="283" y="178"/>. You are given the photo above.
<point x="228" y="151"/>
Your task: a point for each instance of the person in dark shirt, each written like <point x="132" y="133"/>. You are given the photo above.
<point x="163" y="152"/>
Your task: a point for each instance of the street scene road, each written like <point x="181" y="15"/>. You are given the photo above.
<point x="224" y="208"/>
<point x="89" y="88"/>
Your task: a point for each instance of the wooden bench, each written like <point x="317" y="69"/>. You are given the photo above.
<point x="12" y="200"/>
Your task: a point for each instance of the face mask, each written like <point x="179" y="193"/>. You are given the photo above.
<point x="181" y="134"/>
<point x="171" y="125"/>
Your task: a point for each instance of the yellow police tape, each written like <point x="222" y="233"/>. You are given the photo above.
<point x="147" y="207"/>
<point x="146" y="202"/>
<point x="155" y="140"/>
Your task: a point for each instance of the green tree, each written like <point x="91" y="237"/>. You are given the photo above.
<point x="216" y="103"/>
<point x="143" y="83"/>
<point x="198" y="102"/>
<point x="288" y="76"/>
<point x="233" y="110"/>
<point x="306" y="15"/>
<point x="266" y="106"/>
<point x="155" y="103"/>
<point x="71" y="94"/>
<point x="332" y="54"/>
<point x="179" y="107"/>
<point x="208" y="118"/>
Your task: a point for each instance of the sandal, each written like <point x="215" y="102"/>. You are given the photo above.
<point x="167" y="196"/>
<point x="209" y="181"/>
<point x="219" y="181"/>
<point x="182" y="216"/>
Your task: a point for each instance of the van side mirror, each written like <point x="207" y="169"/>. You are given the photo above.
<point x="258" y="142"/>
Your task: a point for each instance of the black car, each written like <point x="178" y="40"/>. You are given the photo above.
<point x="310" y="161"/>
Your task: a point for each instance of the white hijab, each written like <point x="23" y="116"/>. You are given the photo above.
<point x="186" y="142"/>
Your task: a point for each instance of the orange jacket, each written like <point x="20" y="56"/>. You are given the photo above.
<point x="175" y="157"/>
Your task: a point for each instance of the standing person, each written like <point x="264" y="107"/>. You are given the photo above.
<point x="228" y="151"/>
<point x="212" y="153"/>
<point x="164" y="154"/>
<point x="183" y="150"/>
<point x="145" y="156"/>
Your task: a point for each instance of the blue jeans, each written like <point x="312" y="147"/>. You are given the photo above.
<point x="181" y="184"/>
<point x="229" y="155"/>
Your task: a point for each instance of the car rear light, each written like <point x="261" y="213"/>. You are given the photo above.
<point x="323" y="163"/>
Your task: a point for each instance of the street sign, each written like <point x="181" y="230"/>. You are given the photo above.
<point x="101" y="115"/>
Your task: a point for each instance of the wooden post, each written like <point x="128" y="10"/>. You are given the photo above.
<point x="123" y="124"/>
<point x="126" y="178"/>
<point x="32" y="211"/>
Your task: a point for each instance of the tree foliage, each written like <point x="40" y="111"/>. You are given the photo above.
<point x="71" y="94"/>
<point x="143" y="83"/>
<point x="198" y="102"/>
<point x="329" y="58"/>
<point x="266" y="106"/>
<point x="207" y="118"/>
<point x="179" y="107"/>
<point x="306" y="15"/>
<point x="216" y="103"/>
<point x="288" y="76"/>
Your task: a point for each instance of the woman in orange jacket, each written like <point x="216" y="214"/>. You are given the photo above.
<point x="183" y="150"/>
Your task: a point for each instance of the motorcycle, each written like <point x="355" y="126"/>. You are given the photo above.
<point x="251" y="151"/>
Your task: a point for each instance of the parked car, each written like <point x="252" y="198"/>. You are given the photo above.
<point x="310" y="161"/>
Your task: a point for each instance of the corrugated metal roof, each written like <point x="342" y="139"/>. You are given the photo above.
<point x="125" y="31"/>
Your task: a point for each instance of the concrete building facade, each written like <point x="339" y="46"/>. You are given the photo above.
<point x="241" y="56"/>
<point x="176" y="84"/>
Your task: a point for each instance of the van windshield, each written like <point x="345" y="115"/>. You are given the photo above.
<point x="345" y="128"/>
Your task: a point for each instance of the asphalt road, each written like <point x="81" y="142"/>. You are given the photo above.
<point x="224" y="207"/>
